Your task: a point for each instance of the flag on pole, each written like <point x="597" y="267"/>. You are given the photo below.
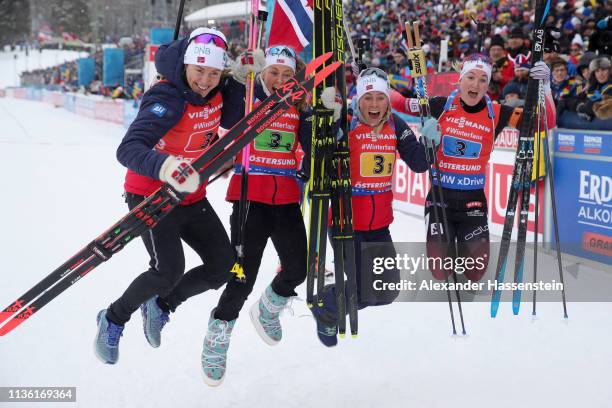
<point x="292" y="24"/>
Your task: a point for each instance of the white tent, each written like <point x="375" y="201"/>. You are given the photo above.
<point x="224" y="11"/>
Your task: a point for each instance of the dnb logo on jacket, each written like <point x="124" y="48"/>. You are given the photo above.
<point x="158" y="109"/>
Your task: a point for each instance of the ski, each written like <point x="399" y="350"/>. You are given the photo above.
<point x="343" y="242"/>
<point x="155" y="207"/>
<point x="418" y="71"/>
<point x="321" y="151"/>
<point x="243" y="205"/>
<point x="521" y="175"/>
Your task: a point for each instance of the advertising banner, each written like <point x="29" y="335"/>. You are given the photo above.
<point x="583" y="187"/>
<point x="113" y="66"/>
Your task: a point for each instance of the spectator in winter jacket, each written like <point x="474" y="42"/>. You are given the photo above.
<point x="516" y="42"/>
<point x="562" y="85"/>
<point x="502" y="64"/>
<point x="591" y="109"/>
<point x="521" y="75"/>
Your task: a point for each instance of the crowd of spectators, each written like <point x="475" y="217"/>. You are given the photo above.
<point x="580" y="62"/>
<point x="581" y="32"/>
<point x="64" y="77"/>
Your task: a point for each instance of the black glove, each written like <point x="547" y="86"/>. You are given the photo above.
<point x="302" y="176"/>
<point x="551" y="39"/>
<point x="583" y="111"/>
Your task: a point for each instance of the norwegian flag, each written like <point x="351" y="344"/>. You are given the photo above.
<point x="292" y="24"/>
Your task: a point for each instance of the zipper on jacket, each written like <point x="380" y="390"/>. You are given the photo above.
<point x="275" y="188"/>
<point x="373" y="209"/>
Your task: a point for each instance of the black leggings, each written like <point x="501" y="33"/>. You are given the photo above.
<point x="468" y="227"/>
<point x="284" y="224"/>
<point x="200" y="228"/>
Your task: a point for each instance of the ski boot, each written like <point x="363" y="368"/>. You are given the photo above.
<point x="153" y="321"/>
<point x="265" y="316"/>
<point x="214" y="353"/>
<point x="107" y="339"/>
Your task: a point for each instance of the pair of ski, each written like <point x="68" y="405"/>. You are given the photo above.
<point x="418" y="71"/>
<point x="159" y="204"/>
<point x="330" y="180"/>
<point x="521" y="179"/>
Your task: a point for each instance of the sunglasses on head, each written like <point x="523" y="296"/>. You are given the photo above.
<point x="281" y="50"/>
<point x="373" y="71"/>
<point x="210" y="38"/>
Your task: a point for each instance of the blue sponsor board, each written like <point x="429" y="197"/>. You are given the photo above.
<point x="583" y="142"/>
<point x="113" y="67"/>
<point x="583" y="188"/>
<point x="161" y="35"/>
<point x="86" y="71"/>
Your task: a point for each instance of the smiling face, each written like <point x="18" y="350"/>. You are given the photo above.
<point x="373" y="107"/>
<point x="276" y="75"/>
<point x="202" y="80"/>
<point x="473" y="86"/>
<point x="559" y="73"/>
<point x="602" y="75"/>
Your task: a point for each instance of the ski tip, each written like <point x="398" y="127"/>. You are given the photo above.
<point x="342" y="335"/>
<point x="325" y="72"/>
<point x="309" y="305"/>
<point x="494" y="308"/>
<point x="354" y="335"/>
<point x="317" y="62"/>
<point x="515" y="308"/>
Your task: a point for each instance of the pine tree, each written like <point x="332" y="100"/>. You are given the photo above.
<point x="15" y="21"/>
<point x="71" y="16"/>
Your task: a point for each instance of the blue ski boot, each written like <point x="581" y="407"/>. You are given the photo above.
<point x="107" y="339"/>
<point x="153" y="321"/>
<point x="326" y="318"/>
<point x="214" y="353"/>
<point x="265" y="316"/>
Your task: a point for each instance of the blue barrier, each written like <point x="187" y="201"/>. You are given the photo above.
<point x="583" y="188"/>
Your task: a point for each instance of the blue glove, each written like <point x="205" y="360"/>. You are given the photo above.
<point x="603" y="23"/>
<point x="431" y="132"/>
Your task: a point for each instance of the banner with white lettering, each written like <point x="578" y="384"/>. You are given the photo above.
<point x="583" y="177"/>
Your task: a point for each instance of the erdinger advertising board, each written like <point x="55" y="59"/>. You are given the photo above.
<point x="583" y="176"/>
<point x="410" y="189"/>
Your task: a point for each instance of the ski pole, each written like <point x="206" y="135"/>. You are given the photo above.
<point x="418" y="72"/>
<point x="551" y="184"/>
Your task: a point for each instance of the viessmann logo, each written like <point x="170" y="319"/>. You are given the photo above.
<point x="463" y="122"/>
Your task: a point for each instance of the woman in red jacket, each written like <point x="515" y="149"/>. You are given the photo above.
<point x="177" y="121"/>
<point x="375" y="137"/>
<point x="273" y="213"/>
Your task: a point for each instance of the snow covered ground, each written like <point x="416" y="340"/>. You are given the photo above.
<point x="12" y="63"/>
<point x="62" y="186"/>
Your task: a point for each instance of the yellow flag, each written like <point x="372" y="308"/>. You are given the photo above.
<point x="535" y="155"/>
